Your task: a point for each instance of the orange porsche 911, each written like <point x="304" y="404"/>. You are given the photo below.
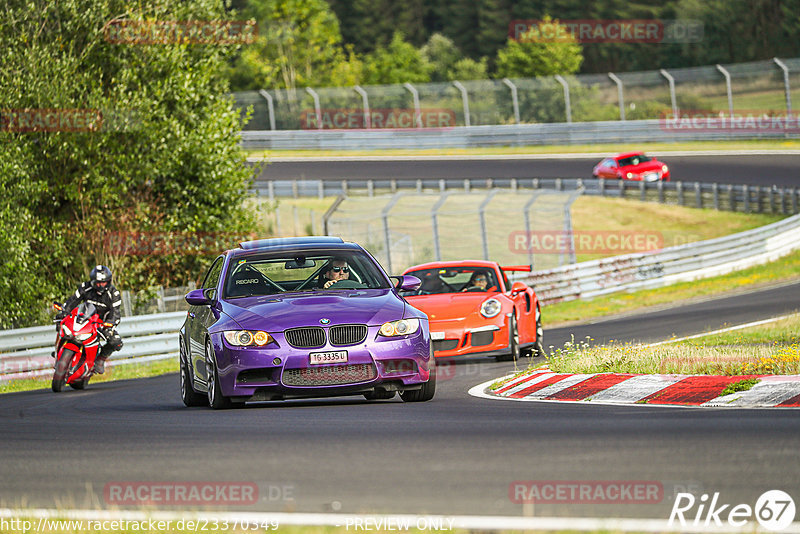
<point x="474" y="310"/>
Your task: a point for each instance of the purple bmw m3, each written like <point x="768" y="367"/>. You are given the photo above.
<point x="302" y="317"/>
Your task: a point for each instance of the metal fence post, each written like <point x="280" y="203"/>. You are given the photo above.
<point x="672" y="98"/>
<point x="365" y="105"/>
<point x="514" y="100"/>
<point x="728" y="86"/>
<point x="467" y="184"/>
<point x="442" y="184"/>
<point x="559" y="185"/>
<point x="317" y="108"/>
<point x="715" y="192"/>
<point x="482" y="215"/>
<point x="464" y="101"/>
<point x="660" y="188"/>
<point x="794" y="200"/>
<point x="270" y="108"/>
<point x="127" y="309"/>
<point x="642" y="192"/>
<point x="602" y="184"/>
<point x="786" y="87"/>
<point x="321" y="189"/>
<point x="731" y="198"/>
<point x="746" y="195"/>
<point x="386" y="233"/>
<point x="344" y="187"/>
<point x="295" y="189"/>
<point x="679" y="192"/>
<point x="698" y="196"/>
<point x="435" y="225"/>
<point x="370" y="188"/>
<point x="617" y="81"/>
<point x="419" y="186"/>
<point x="568" y="225"/>
<point x="782" y="193"/>
<point x="567" y="107"/>
<point x="771" y="193"/>
<point x="329" y="213"/>
<point x="527" y="218"/>
<point x="415" y="95"/>
<point x="271" y="189"/>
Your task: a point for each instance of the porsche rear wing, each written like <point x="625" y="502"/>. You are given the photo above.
<point x="525" y="268"/>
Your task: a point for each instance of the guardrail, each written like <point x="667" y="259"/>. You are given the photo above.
<point x="729" y="197"/>
<point x="675" y="264"/>
<point x="562" y="133"/>
<point x="26" y="351"/>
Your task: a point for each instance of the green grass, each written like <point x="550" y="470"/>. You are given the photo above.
<point x="113" y="372"/>
<point x="784" y="269"/>
<point x="545" y="149"/>
<point x="713" y="355"/>
<point x="741" y="385"/>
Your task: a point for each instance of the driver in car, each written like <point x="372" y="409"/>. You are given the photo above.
<point x="337" y="270"/>
<point x="477" y="282"/>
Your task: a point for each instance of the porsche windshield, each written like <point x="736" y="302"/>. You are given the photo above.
<point x="454" y="280"/>
<point x="273" y="274"/>
<point x="633" y="160"/>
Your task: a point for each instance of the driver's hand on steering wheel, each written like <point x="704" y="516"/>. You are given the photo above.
<point x="329" y="283"/>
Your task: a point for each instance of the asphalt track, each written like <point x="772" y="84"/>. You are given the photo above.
<point x="454" y="455"/>
<point x="756" y="169"/>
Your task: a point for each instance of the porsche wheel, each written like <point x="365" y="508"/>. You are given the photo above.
<point x="538" y="348"/>
<point x="513" y="342"/>
<point x="215" y="398"/>
<point x="189" y="396"/>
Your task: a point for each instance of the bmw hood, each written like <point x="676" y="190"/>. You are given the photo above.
<point x="276" y="313"/>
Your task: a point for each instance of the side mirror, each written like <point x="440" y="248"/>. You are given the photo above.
<point x="408" y="282"/>
<point x="200" y="297"/>
<point x="518" y="287"/>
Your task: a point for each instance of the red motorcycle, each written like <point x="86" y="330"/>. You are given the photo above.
<point x="77" y="346"/>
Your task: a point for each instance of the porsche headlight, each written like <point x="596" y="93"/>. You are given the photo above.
<point x="629" y="175"/>
<point x="490" y="308"/>
<point x="403" y="327"/>
<point x="246" y="338"/>
<point x="664" y="168"/>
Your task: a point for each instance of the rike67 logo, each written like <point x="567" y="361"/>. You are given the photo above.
<point x="774" y="510"/>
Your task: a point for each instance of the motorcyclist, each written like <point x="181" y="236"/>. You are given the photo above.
<point x="107" y="300"/>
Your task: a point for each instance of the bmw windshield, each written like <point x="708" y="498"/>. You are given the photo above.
<point x="273" y="274"/>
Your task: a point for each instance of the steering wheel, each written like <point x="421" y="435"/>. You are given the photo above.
<point x="472" y="289"/>
<point x="348" y="284"/>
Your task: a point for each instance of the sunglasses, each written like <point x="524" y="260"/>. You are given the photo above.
<point x="343" y="269"/>
<point x="480" y="279"/>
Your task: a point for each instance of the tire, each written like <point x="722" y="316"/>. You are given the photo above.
<point x="215" y="398"/>
<point x="513" y="342"/>
<point x="538" y="348"/>
<point x="59" y="375"/>
<point x="380" y="394"/>
<point x="80" y="384"/>
<point x="425" y="393"/>
<point x="189" y="396"/>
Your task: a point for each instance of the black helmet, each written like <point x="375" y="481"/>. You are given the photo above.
<point x="100" y="278"/>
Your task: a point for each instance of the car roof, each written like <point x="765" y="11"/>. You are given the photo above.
<point x="285" y="244"/>
<point x="463" y="263"/>
<point x="628" y="154"/>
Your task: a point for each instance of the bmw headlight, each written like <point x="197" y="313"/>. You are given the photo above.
<point x="490" y="308"/>
<point x="403" y="327"/>
<point x="247" y="338"/>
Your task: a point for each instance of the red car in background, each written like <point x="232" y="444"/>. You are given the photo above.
<point x="632" y="166"/>
<point x="473" y="309"/>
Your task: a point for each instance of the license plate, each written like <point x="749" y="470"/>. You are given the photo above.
<point x="437" y="336"/>
<point x="339" y="356"/>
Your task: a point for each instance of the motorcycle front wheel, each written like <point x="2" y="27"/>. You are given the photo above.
<point x="60" y="373"/>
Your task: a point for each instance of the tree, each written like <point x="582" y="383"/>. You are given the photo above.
<point x="398" y="62"/>
<point x="123" y="139"/>
<point x="537" y="55"/>
<point x="298" y="45"/>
